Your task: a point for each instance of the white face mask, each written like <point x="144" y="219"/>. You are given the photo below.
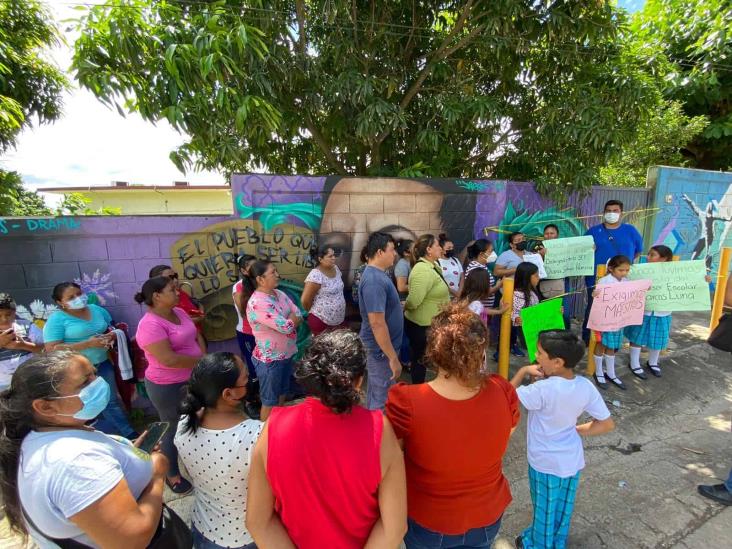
<point x="612" y="217"/>
<point x="492" y="257"/>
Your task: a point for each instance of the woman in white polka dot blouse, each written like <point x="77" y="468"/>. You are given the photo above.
<point x="215" y="439"/>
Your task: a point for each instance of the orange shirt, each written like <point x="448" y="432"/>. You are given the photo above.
<point x="453" y="451"/>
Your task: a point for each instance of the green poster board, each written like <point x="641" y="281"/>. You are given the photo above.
<point x="573" y="256"/>
<point x="547" y="315"/>
<point x="675" y="285"/>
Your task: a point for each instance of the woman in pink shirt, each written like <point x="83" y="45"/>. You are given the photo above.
<point x="328" y="472"/>
<point x="172" y="346"/>
<point x="274" y="319"/>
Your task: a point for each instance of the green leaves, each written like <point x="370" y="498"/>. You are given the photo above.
<point x="694" y="41"/>
<point x="30" y="86"/>
<point x="460" y="88"/>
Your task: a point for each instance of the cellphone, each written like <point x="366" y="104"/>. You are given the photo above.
<point x="154" y="433"/>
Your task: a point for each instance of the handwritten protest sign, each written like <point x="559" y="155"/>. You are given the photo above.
<point x="618" y="305"/>
<point x="676" y="285"/>
<point x="573" y="256"/>
<point x="547" y="315"/>
<point x="538" y="261"/>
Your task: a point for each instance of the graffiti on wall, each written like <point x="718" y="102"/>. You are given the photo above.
<point x="695" y="217"/>
<point x="38" y="225"/>
<point x="278" y="218"/>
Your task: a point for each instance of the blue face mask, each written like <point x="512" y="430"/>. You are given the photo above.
<point x="94" y="398"/>
<point x="79" y="302"/>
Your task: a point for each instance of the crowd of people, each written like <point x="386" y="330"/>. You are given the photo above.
<point x="346" y="467"/>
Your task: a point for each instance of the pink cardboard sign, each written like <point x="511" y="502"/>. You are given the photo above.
<point x="618" y="305"/>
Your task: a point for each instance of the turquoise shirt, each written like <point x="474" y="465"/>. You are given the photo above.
<point x="61" y="326"/>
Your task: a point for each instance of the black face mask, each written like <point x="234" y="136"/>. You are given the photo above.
<point x="449" y="253"/>
<point x="521" y="246"/>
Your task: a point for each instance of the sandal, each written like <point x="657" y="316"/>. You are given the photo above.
<point x="655" y="370"/>
<point x="601" y="384"/>
<point x="182" y="487"/>
<point x="639" y="373"/>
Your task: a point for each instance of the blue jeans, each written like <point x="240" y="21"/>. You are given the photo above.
<point x="728" y="482"/>
<point x="200" y="542"/>
<point x="379" y="379"/>
<point x="113" y="419"/>
<point x="274" y="379"/>
<point x="419" y="537"/>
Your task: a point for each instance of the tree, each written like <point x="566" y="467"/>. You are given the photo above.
<point x="460" y="88"/>
<point x="78" y="204"/>
<point x="30" y="86"/>
<point x="695" y="36"/>
<point x="660" y="140"/>
<point x="16" y="200"/>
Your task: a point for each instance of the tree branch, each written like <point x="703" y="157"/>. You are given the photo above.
<point x="302" y="39"/>
<point x="443" y="51"/>
<point x="325" y="147"/>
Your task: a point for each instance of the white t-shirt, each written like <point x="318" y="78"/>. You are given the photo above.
<point x="329" y="304"/>
<point x="235" y="289"/>
<point x="62" y="473"/>
<point x="476" y="307"/>
<point x="10" y="359"/>
<point x="218" y="464"/>
<point x="554" y="404"/>
<point x="452" y="269"/>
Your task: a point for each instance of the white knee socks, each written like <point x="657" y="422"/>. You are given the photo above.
<point x="635" y="358"/>
<point x="598" y="366"/>
<point x="610" y="366"/>
<point x="653" y="355"/>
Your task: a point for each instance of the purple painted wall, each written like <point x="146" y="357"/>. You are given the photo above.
<point x="275" y="217"/>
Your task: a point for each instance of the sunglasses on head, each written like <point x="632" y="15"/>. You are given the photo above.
<point x="174" y="276"/>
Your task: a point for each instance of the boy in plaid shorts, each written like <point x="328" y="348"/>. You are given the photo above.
<point x="554" y="446"/>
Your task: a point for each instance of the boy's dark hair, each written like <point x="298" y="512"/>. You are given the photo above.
<point x="552" y="226"/>
<point x="378" y="241"/>
<point x="664" y="251"/>
<point x="7" y="301"/>
<point x="613" y="203"/>
<point x="562" y="344"/>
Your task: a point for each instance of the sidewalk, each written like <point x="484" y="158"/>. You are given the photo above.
<point x="638" y="490"/>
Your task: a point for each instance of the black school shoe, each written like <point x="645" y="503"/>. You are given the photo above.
<point x="655" y="370"/>
<point x="519" y="542"/>
<point x="601" y="384"/>
<point x="616" y="381"/>
<point x="640" y="374"/>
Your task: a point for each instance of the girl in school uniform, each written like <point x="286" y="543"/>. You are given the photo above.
<point x="655" y="330"/>
<point x="608" y="343"/>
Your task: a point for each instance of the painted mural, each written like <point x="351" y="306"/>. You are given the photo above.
<point x="277" y="218"/>
<point x="695" y="213"/>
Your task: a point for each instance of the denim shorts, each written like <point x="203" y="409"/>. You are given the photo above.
<point x="201" y="542"/>
<point x="419" y="537"/>
<point x="274" y="379"/>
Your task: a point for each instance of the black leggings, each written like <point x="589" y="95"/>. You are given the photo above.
<point x="418" y="344"/>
